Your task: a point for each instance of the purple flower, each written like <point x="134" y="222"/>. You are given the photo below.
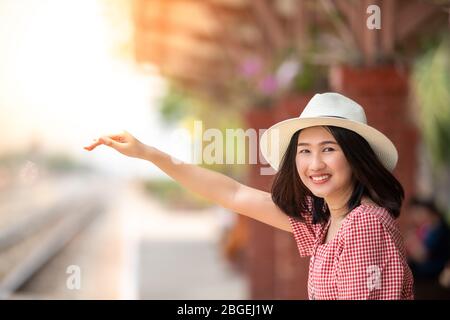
<point x="268" y="85"/>
<point x="250" y="67"/>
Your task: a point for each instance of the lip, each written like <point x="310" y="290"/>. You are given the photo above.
<point x="319" y="175"/>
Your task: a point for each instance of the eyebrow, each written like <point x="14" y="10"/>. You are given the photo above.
<point x="320" y="144"/>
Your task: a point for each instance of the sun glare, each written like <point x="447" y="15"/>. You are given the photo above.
<point x="62" y="80"/>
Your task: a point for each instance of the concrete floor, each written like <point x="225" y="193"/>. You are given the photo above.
<point x="179" y="255"/>
<point x="190" y="269"/>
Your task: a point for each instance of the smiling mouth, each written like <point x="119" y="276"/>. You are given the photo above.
<point x="320" y="179"/>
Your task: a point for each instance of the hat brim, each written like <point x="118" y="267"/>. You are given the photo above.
<point x="273" y="153"/>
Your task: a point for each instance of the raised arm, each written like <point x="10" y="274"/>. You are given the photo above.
<point x="212" y="185"/>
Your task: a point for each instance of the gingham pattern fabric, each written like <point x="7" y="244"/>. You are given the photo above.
<point x="365" y="260"/>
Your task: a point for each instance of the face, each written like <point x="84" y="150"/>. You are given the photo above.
<point x="321" y="164"/>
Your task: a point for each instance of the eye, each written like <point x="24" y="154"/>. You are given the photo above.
<point x="328" y="149"/>
<point x="304" y="151"/>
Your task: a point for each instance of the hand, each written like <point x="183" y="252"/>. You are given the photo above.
<point x="123" y="142"/>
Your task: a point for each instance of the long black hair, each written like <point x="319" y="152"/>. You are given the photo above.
<point x="371" y="179"/>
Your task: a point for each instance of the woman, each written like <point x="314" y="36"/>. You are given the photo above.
<point x="333" y="191"/>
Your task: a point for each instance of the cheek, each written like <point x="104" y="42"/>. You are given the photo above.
<point x="301" y="168"/>
<point x="342" y="168"/>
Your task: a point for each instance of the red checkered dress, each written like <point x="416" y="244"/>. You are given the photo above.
<point x="365" y="260"/>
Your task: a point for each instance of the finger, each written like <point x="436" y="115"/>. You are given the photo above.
<point x="108" y="141"/>
<point x="126" y="134"/>
<point x="93" y="145"/>
<point x="120" y="137"/>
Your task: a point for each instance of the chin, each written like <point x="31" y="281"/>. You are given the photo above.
<point x="323" y="192"/>
<point x="319" y="194"/>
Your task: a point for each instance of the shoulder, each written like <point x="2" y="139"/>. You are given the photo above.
<point x="368" y="221"/>
<point x="371" y="214"/>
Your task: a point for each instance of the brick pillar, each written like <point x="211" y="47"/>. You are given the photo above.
<point x="291" y="271"/>
<point x="275" y="268"/>
<point x="260" y="241"/>
<point x="383" y="91"/>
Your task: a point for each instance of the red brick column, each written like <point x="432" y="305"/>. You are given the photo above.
<point x="274" y="267"/>
<point x="291" y="271"/>
<point x="383" y="91"/>
<point x="260" y="257"/>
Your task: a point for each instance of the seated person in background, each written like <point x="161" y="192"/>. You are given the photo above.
<point x="428" y="248"/>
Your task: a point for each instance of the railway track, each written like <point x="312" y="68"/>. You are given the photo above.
<point x="31" y="240"/>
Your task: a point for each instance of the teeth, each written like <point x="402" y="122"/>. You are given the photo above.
<point x="320" y="178"/>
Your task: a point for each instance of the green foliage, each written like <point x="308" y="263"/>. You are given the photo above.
<point x="63" y="163"/>
<point x="183" y="108"/>
<point x="173" y="195"/>
<point x="175" y="105"/>
<point x="221" y="119"/>
<point x="54" y="162"/>
<point x="431" y="81"/>
<point x="311" y="78"/>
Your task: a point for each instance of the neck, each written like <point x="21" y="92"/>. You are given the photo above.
<point x="338" y="205"/>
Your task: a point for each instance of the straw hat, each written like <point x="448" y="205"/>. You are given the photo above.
<point x="327" y="109"/>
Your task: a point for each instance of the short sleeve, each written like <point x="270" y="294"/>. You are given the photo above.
<point x="304" y="235"/>
<point x="370" y="265"/>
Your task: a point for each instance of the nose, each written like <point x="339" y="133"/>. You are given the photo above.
<point x="317" y="162"/>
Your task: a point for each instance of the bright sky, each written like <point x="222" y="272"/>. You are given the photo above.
<point x="63" y="82"/>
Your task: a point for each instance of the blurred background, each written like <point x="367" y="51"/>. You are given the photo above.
<point x="79" y="225"/>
